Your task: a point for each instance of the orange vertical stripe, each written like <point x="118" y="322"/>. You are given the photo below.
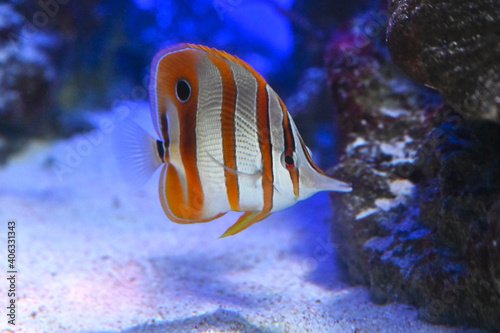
<point x="290" y="147"/>
<point x="182" y="65"/>
<point x="174" y="205"/>
<point x="229" y="92"/>
<point x="187" y="119"/>
<point x="174" y="192"/>
<point x="264" y="128"/>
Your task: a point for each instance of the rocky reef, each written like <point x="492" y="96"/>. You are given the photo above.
<point x="453" y="46"/>
<point x="422" y="225"/>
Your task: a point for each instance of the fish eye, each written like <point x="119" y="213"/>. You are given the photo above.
<point x="289" y="160"/>
<point x="183" y="91"/>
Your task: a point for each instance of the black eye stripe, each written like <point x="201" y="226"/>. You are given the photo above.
<point x="288" y="156"/>
<point x="183" y="91"/>
<point x="160" y="149"/>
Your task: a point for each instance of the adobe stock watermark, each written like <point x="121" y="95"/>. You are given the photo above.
<point x="222" y="7"/>
<point x="75" y="153"/>
<point x="365" y="33"/>
<point x="472" y="104"/>
<point x="322" y="252"/>
<point x="431" y="144"/>
<point x="11" y="293"/>
<point x="449" y="294"/>
<point x="39" y="20"/>
<point x="485" y="91"/>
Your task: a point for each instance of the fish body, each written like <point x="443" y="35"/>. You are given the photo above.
<point x="225" y="141"/>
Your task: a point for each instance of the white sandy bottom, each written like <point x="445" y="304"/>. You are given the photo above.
<point x="95" y="255"/>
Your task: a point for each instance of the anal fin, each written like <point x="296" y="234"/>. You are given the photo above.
<point x="244" y="222"/>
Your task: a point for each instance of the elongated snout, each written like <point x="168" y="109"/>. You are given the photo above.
<point x="325" y="183"/>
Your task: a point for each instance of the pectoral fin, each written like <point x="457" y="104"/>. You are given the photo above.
<point x="255" y="175"/>
<point x="136" y="153"/>
<point x="245" y="221"/>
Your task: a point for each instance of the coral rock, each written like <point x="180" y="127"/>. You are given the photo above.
<point x="421" y="225"/>
<point x="453" y="46"/>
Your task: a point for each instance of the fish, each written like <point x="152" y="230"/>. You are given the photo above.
<point x="223" y="141"/>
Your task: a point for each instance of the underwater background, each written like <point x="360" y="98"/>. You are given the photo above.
<point x="401" y="98"/>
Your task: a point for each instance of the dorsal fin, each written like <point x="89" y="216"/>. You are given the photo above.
<point x="224" y="55"/>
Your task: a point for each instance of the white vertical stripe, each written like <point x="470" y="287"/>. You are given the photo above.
<point x="299" y="153"/>
<point x="174" y="151"/>
<point x="209" y="152"/>
<point x="163" y="185"/>
<point x="248" y="154"/>
<point x="283" y="196"/>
